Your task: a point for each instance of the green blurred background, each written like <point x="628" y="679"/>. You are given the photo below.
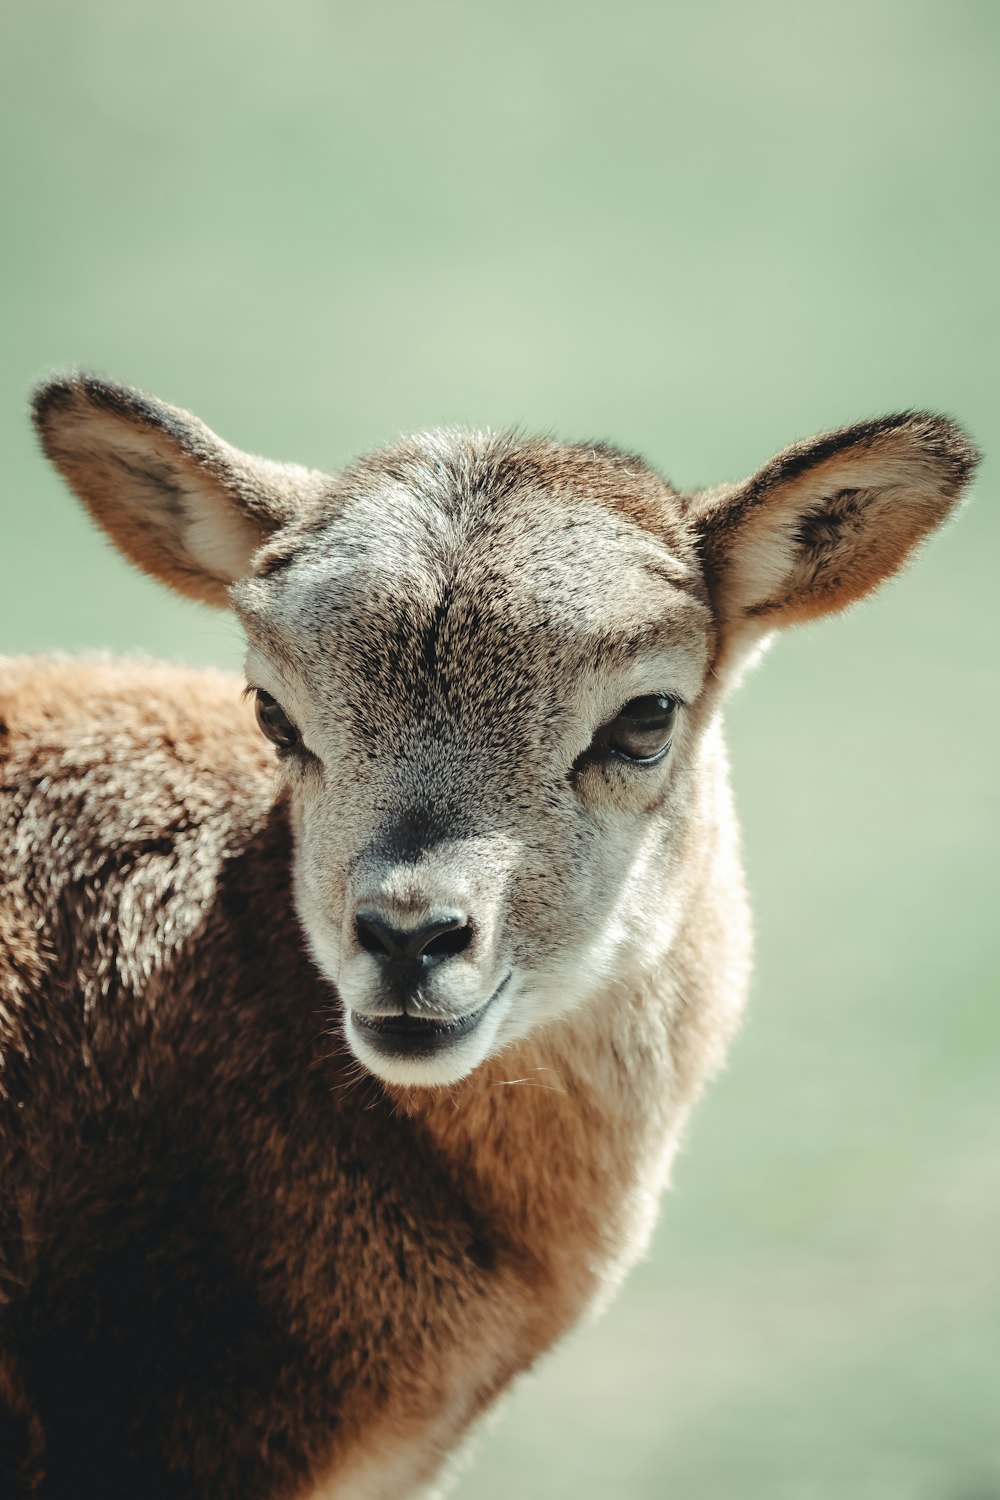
<point x="700" y="230"/>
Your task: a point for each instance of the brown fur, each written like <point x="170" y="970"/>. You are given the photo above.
<point x="233" y="1263"/>
<point x="251" y="1210"/>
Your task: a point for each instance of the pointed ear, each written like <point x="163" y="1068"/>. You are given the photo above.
<point x="826" y="520"/>
<point x="177" y="500"/>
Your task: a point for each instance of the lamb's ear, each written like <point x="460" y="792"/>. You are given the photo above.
<point x="826" y="520"/>
<point x="176" y="499"/>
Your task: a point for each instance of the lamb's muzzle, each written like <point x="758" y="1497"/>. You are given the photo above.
<point x="420" y="1034"/>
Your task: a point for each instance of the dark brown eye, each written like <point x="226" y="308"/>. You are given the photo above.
<point x="274" y="722"/>
<point x="643" y="730"/>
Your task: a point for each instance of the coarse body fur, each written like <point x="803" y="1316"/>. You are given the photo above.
<point x="248" y="1251"/>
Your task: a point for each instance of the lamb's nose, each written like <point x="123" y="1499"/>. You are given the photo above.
<point x="437" y="939"/>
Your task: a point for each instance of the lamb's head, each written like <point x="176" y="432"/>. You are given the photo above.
<point x="491" y="668"/>
<point x="484" y="666"/>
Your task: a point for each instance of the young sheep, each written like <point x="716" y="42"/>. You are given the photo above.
<point x="274" y="1221"/>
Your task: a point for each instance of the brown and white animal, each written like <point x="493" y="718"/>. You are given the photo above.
<point x="334" y="1089"/>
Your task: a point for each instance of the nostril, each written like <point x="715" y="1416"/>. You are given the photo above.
<point x="372" y="936"/>
<point x="445" y="944"/>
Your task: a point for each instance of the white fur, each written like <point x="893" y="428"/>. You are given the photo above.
<point x="221" y="542"/>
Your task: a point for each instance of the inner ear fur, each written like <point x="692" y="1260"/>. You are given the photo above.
<point x="178" y="501"/>
<point x="826" y="520"/>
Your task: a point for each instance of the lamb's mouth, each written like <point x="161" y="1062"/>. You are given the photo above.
<point x="407" y="1035"/>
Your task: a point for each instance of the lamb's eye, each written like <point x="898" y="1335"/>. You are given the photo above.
<point x="643" y="729"/>
<point x="274" y="722"/>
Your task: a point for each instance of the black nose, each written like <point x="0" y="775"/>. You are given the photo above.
<point x="415" y="947"/>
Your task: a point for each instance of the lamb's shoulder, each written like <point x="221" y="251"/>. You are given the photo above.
<point x="122" y="782"/>
<point x="137" y="812"/>
<point x="136" y="736"/>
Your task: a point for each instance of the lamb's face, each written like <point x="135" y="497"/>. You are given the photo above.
<point x="487" y="667"/>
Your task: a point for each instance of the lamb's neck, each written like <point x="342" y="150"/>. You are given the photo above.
<point x="561" y="1145"/>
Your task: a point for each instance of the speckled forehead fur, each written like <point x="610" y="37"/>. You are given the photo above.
<point x="481" y="567"/>
<point x="472" y="476"/>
